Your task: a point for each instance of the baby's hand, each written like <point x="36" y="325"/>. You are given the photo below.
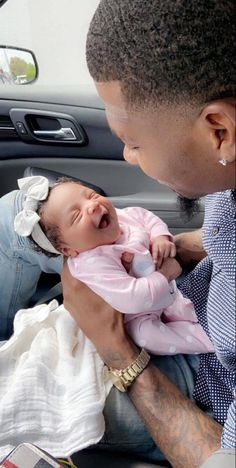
<point x="161" y="248"/>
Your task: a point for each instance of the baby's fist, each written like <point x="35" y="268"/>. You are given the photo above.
<point x="162" y="248"/>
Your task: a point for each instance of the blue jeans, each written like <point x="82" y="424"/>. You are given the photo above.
<point x="20" y="265"/>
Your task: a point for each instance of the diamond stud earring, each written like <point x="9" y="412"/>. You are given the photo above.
<point x="224" y="162"/>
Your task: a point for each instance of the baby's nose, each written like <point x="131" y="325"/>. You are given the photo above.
<point x="92" y="206"/>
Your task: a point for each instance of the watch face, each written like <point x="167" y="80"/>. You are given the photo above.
<point x="117" y="382"/>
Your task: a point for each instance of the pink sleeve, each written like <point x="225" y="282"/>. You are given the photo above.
<point x="107" y="277"/>
<point x="152" y="223"/>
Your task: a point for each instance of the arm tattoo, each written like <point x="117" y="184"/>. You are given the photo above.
<point x="185" y="434"/>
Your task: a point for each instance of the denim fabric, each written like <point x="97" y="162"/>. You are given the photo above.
<point x="20" y="265"/>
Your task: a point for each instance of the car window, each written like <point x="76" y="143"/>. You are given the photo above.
<point x="55" y="31"/>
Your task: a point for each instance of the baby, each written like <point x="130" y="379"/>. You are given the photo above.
<point x="72" y="219"/>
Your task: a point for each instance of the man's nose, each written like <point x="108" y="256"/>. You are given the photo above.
<point x="130" y="155"/>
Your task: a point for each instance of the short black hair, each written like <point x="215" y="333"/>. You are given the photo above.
<point x="164" y="51"/>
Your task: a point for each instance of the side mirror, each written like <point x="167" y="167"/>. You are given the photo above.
<point x="17" y="66"/>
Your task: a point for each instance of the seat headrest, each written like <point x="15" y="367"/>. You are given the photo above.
<point x="54" y="175"/>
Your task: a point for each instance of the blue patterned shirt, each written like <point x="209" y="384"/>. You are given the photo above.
<point x="211" y="287"/>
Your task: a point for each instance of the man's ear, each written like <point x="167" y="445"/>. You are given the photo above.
<point x="67" y="251"/>
<point x="219" y="116"/>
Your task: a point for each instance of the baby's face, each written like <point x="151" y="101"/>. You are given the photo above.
<point x="85" y="219"/>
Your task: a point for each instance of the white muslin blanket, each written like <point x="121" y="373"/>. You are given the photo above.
<point x="53" y="384"/>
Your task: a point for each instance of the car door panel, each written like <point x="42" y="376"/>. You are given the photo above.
<point x="101" y="142"/>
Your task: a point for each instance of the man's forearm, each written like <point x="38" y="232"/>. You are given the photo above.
<point x="185" y="435"/>
<point x="189" y="246"/>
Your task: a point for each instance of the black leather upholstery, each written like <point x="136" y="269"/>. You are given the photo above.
<point x="53" y="176"/>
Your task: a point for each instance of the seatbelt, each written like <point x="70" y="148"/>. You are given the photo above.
<point x="55" y="291"/>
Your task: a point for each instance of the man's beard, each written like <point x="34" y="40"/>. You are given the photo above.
<point x="188" y="207"/>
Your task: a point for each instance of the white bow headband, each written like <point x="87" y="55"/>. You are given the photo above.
<point x="26" y="221"/>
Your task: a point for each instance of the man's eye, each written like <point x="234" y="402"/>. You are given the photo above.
<point x="132" y="148"/>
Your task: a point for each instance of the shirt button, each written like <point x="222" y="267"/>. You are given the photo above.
<point x="215" y="230"/>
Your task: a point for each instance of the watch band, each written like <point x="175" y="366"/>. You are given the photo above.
<point x="123" y="378"/>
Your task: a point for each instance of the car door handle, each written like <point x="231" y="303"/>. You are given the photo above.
<point x="65" y="134"/>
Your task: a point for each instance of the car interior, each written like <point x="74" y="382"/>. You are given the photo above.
<point x="62" y="130"/>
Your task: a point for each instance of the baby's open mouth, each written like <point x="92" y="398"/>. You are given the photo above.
<point x="105" y="221"/>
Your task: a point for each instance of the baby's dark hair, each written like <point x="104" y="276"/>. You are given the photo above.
<point x="51" y="231"/>
<point x="164" y="51"/>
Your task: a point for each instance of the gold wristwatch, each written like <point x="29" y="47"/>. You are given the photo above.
<point x="123" y="378"/>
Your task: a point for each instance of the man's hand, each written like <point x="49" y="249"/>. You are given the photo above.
<point x="171" y="269"/>
<point x="99" y="321"/>
<point x="161" y="248"/>
<point x="189" y="247"/>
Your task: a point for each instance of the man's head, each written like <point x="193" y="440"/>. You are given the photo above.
<point x="165" y="70"/>
<point x="75" y="218"/>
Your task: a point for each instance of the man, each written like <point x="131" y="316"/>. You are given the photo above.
<point x="164" y="69"/>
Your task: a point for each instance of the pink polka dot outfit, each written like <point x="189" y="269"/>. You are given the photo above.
<point x="157" y="316"/>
